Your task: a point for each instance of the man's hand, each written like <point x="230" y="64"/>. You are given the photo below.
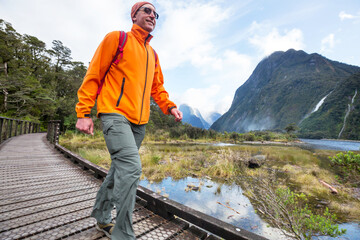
<point x="85" y="125"/>
<point x="177" y="114"/>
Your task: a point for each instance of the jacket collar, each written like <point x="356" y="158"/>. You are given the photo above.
<point x="141" y="34"/>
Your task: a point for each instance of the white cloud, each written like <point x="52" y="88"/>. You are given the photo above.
<point x="186" y="32"/>
<point x="268" y="42"/>
<point x="225" y="73"/>
<point x="327" y="43"/>
<point x="80" y="25"/>
<point x="200" y="97"/>
<point x="343" y="16"/>
<point x="187" y="36"/>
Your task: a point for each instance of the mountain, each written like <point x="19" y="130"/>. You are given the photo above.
<point x="213" y="117"/>
<point x="285" y="88"/>
<point x="193" y="117"/>
<point x="339" y="114"/>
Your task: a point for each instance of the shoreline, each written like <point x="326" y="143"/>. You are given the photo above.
<point x="338" y="140"/>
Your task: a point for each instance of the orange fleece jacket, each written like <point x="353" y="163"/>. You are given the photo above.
<point x="129" y="84"/>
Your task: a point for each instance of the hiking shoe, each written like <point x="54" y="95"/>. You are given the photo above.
<point x="106" y="228"/>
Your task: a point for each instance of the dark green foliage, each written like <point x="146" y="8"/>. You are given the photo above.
<point x="348" y="160"/>
<point x="250" y="136"/>
<point x="349" y="167"/>
<point x="291" y="128"/>
<point x="235" y="136"/>
<point x="37" y="83"/>
<point x="328" y="121"/>
<point x="158" y="120"/>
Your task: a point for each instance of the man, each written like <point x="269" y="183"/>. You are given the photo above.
<point x="123" y="106"/>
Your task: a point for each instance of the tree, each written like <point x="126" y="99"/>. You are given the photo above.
<point x="35" y="55"/>
<point x="37" y="83"/>
<point x="235" y="136"/>
<point x="291" y="128"/>
<point x="61" y="54"/>
<point x="9" y="40"/>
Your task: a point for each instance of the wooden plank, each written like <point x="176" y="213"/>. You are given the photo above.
<point x="166" y="231"/>
<point x="39" y="201"/>
<point x="45" y="207"/>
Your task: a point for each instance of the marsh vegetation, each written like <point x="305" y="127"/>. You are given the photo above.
<point x="294" y="174"/>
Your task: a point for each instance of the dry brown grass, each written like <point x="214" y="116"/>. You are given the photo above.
<point x="179" y="160"/>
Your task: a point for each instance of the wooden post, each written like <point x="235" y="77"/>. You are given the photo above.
<point x="10" y="131"/>
<point x="1" y="127"/>
<point x="56" y="128"/>
<point x="7" y="129"/>
<point x="48" y="132"/>
<point x="16" y="127"/>
<point x="21" y="126"/>
<point x="53" y="131"/>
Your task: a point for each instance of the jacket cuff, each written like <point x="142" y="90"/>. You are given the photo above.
<point x="83" y="115"/>
<point x="170" y="108"/>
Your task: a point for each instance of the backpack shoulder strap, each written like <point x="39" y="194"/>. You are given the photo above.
<point x="122" y="42"/>
<point x="116" y="60"/>
<point x="156" y="57"/>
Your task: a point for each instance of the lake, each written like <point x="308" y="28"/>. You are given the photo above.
<point x="340" y="145"/>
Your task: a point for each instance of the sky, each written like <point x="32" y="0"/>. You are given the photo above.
<point x="207" y="48"/>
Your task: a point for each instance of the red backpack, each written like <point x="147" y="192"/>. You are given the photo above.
<point x="116" y="60"/>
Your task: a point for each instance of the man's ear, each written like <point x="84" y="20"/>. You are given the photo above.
<point x="134" y="19"/>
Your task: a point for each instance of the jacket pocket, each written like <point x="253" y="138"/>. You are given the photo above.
<point x="121" y="93"/>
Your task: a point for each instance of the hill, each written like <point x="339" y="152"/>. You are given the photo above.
<point x="284" y="88"/>
<point x="193" y="117"/>
<point x="338" y="116"/>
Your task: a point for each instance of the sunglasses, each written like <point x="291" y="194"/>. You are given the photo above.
<point x="149" y="11"/>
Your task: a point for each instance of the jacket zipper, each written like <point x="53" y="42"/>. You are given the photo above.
<point x="122" y="92"/>
<point x="147" y="63"/>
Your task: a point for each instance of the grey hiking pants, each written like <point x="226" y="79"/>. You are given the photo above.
<point x="123" y="140"/>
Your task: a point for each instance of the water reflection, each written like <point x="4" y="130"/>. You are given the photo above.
<point x="224" y="202"/>
<point x="227" y="203"/>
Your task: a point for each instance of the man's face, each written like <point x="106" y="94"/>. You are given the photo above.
<point x="144" y="20"/>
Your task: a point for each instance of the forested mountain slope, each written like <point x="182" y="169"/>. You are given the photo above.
<point x="284" y="88"/>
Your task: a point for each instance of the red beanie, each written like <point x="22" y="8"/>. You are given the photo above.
<point x="136" y="7"/>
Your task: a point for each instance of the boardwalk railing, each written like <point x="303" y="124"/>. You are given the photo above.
<point x="13" y="127"/>
<point x="160" y="205"/>
<point x="53" y="131"/>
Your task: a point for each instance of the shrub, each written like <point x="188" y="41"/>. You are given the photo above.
<point x="289" y="211"/>
<point x="347" y="160"/>
<point x="249" y="137"/>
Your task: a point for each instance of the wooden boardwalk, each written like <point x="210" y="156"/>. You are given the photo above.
<point x="43" y="195"/>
